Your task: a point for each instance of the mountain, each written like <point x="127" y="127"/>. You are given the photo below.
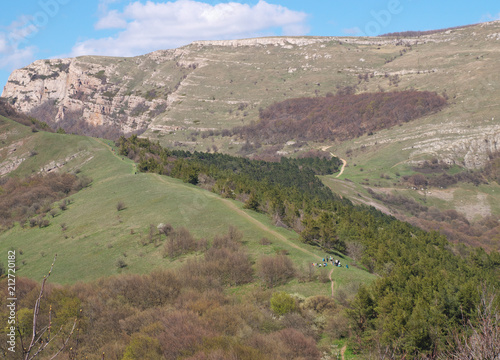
<point x="192" y="98"/>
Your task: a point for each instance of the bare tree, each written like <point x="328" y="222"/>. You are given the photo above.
<point x="42" y="337"/>
<point x="483" y="340"/>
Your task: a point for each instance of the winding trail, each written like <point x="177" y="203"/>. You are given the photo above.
<point x="256" y="222"/>
<point x="344" y="162"/>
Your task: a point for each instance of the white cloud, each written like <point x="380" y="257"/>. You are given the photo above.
<point x="15" y="50"/>
<point x="352" y="31"/>
<point x="112" y="20"/>
<point x="160" y="25"/>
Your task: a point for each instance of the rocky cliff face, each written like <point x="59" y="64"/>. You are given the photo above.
<point x="178" y="95"/>
<point x="123" y="93"/>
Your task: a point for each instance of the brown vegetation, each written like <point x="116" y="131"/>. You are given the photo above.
<point x="341" y="117"/>
<point x="8" y="111"/>
<point x="171" y="314"/>
<point x="276" y="270"/>
<point x="33" y="196"/>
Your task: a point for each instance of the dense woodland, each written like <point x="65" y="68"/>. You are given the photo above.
<point x="339" y="117"/>
<point x="427" y="291"/>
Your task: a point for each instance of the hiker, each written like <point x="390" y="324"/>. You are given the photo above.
<point x="346" y="266"/>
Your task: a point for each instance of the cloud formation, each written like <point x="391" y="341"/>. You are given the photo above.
<point x="14" y="49"/>
<point x="145" y="27"/>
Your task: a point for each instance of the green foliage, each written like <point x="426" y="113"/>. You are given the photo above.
<point x="143" y="347"/>
<point x="282" y="303"/>
<point x="253" y="202"/>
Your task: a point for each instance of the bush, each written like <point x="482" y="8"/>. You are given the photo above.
<point x="180" y="241"/>
<point x="276" y="270"/>
<point x="120" y="263"/>
<point x="265" y="241"/>
<point x="282" y="303"/>
<point x="120" y="206"/>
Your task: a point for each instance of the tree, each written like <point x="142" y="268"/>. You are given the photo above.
<point x="42" y="337"/>
<point x="253" y="202"/>
<point x="142" y="347"/>
<point x="276" y="270"/>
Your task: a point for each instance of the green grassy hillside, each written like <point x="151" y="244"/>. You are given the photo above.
<point x="97" y="234"/>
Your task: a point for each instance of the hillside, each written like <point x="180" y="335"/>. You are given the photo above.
<point x="228" y="260"/>
<point x="98" y="235"/>
<point x="221" y="84"/>
<point x="192" y="97"/>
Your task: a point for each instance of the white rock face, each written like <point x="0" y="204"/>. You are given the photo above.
<point x="54" y="90"/>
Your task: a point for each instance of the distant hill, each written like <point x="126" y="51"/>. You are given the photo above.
<point x="192" y="97"/>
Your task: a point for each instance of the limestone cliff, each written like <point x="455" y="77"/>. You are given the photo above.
<point x="177" y="96"/>
<point x="120" y="92"/>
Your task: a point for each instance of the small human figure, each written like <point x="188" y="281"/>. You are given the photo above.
<point x="319" y="265"/>
<point x="346" y="266"/>
<point x="325" y="264"/>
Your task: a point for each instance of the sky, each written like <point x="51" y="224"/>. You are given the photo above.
<point x="43" y="29"/>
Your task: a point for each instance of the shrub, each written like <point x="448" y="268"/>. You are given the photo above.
<point x="120" y="206"/>
<point x="120" y="263"/>
<point x="265" y="241"/>
<point x="63" y="205"/>
<point x="179" y="242"/>
<point x="276" y="270"/>
<point x="282" y="303"/>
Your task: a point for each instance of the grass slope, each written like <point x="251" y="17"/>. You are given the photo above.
<point x="98" y="235"/>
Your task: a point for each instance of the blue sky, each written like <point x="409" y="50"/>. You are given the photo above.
<point x="40" y="29"/>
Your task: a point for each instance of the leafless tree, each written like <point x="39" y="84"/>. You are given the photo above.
<point x="42" y="337"/>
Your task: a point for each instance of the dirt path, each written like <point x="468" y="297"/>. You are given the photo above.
<point x="331" y="280"/>
<point x="344" y="162"/>
<point x="260" y="225"/>
<point x="240" y="212"/>
<point x="342" y="351"/>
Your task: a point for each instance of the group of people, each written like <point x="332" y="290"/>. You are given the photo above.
<point x="333" y="262"/>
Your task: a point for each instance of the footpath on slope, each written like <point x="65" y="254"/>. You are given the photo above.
<point x="260" y="225"/>
<point x="344" y="162"/>
<point x="134" y="166"/>
<point x="240" y="212"/>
